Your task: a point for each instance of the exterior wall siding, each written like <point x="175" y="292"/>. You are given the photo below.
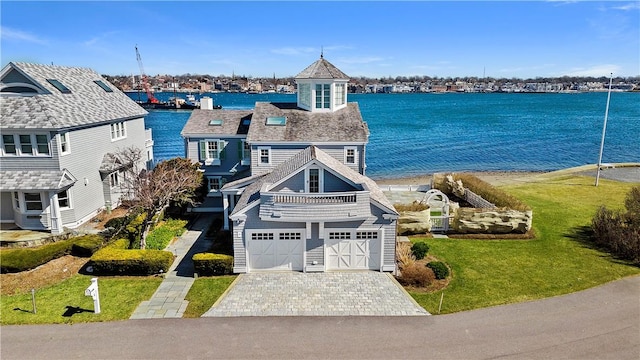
<point x="6" y="207"/>
<point x="334" y="184"/>
<point x="315" y="247"/>
<point x="294" y="183"/>
<point x="232" y="156"/>
<point x="87" y="149"/>
<point x="282" y="152"/>
<point x="45" y="162"/>
<point x="239" y="249"/>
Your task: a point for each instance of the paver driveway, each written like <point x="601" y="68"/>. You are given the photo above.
<point x="359" y="293"/>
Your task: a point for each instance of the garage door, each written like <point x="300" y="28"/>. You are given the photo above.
<point x="275" y="250"/>
<point x="353" y="250"/>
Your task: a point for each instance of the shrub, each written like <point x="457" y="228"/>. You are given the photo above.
<point x="85" y="246"/>
<point x="114" y="260"/>
<point x="619" y="232"/>
<point x="206" y="264"/>
<point x="440" y="269"/>
<point x="416" y="275"/>
<point x="404" y="256"/>
<point x="419" y="250"/>
<point x="17" y="260"/>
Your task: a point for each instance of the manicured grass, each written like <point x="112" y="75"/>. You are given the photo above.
<point x="493" y="272"/>
<point x="204" y="292"/>
<point x="119" y="297"/>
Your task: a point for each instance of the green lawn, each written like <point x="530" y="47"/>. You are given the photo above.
<point x="493" y="272"/>
<point x="204" y="293"/>
<point x="65" y="302"/>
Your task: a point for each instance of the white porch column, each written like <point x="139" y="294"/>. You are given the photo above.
<point x="225" y="205"/>
<point x="54" y="214"/>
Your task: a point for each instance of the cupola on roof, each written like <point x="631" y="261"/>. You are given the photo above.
<point x="322" y="69"/>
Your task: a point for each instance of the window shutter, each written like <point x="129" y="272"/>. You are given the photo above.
<point x="240" y="146"/>
<point x="203" y="150"/>
<point x="222" y="149"/>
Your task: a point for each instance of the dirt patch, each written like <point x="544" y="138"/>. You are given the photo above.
<point x="44" y="275"/>
<point x="98" y="222"/>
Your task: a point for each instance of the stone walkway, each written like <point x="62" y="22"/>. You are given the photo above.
<point x="362" y="293"/>
<point x="168" y="300"/>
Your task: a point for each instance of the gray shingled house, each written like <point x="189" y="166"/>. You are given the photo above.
<point x="289" y="179"/>
<point x="61" y="127"/>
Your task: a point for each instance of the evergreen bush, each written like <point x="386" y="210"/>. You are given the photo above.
<point x="116" y="260"/>
<point x="420" y="250"/>
<point x="440" y="269"/>
<point x="207" y="264"/>
<point x="87" y="245"/>
<point x="17" y="260"/>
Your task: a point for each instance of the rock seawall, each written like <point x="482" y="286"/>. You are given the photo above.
<point x="491" y="221"/>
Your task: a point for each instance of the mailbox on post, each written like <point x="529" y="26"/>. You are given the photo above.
<point x="92" y="291"/>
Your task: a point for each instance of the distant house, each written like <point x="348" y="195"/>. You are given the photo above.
<point x="289" y="179"/>
<point x="62" y="128"/>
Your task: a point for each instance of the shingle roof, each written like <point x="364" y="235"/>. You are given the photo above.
<point x="322" y="69"/>
<point x="344" y="125"/>
<point x="36" y="180"/>
<point x="87" y="103"/>
<point x="252" y="192"/>
<point x="232" y="122"/>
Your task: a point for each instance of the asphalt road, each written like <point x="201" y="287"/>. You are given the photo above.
<point x="599" y="323"/>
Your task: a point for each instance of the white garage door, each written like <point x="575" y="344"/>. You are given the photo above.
<point x="275" y="250"/>
<point x="353" y="250"/>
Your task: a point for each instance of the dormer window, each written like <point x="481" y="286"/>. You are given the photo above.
<point x="58" y="85"/>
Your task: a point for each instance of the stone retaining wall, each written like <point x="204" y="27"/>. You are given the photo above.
<point x="491" y="221"/>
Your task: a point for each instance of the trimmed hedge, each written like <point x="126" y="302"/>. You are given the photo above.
<point x="115" y="259"/>
<point x="207" y="264"/>
<point x="439" y="268"/>
<point x="23" y="259"/>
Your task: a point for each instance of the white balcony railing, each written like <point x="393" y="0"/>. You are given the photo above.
<point x="278" y="206"/>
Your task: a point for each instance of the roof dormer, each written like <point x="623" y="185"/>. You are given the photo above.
<point x="322" y="87"/>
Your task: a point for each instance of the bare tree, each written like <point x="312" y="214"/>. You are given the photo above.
<point x="152" y="191"/>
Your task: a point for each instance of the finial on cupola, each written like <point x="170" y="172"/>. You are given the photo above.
<point x="321" y="51"/>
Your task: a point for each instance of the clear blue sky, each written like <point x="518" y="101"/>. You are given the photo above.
<point x="365" y="38"/>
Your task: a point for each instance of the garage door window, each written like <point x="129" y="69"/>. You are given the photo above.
<point x="339" y="235"/>
<point x="367" y="235"/>
<point x="290" y="236"/>
<point x="262" y="236"/>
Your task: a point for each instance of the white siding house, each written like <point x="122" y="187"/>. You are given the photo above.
<point x="60" y="127"/>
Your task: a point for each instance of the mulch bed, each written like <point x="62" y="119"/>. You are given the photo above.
<point x="44" y="275"/>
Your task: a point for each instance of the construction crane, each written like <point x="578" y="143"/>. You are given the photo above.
<point x="143" y="78"/>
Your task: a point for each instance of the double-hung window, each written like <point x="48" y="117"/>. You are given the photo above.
<point x="212" y="151"/>
<point x="64" y="143"/>
<point x="264" y="155"/>
<point x="118" y="131"/>
<point x="9" y="145"/>
<point x="33" y="202"/>
<point x="304" y="94"/>
<point x="350" y="155"/>
<point x="63" y="199"/>
<point x="42" y="144"/>
<point x="323" y="96"/>
<point x="214" y="184"/>
<point x="16" y="201"/>
<point x="340" y="97"/>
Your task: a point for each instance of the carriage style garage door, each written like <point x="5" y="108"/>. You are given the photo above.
<point x="275" y="250"/>
<point x="353" y="250"/>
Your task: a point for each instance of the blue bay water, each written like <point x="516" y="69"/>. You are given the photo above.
<point x="416" y="134"/>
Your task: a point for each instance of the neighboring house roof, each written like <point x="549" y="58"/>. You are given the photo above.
<point x="207" y="122"/>
<point x="344" y="125"/>
<point x="322" y="69"/>
<point x="311" y="153"/>
<point x="39" y="180"/>
<point x="86" y="103"/>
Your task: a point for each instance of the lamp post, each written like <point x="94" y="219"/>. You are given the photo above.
<point x="604" y="130"/>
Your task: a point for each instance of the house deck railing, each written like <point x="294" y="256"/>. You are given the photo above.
<point x="341" y="198"/>
<point x="319" y="206"/>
